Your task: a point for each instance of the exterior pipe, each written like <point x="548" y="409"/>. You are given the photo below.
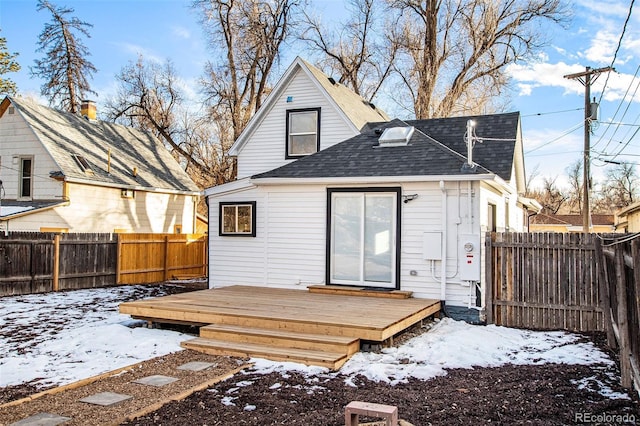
<point x="443" y="262"/>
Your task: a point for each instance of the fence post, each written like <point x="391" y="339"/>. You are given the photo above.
<point x="56" y="262"/>
<point x="166" y="257"/>
<point x="488" y="278"/>
<point x="623" y="321"/>
<point x="118" y="256"/>
<point x="605" y="301"/>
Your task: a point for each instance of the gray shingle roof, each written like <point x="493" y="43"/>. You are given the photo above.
<point x="353" y="105"/>
<point x="495" y="155"/>
<point x="436" y="148"/>
<point x="64" y="134"/>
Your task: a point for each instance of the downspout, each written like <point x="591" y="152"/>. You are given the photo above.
<point x="529" y="216"/>
<point x="443" y="262"/>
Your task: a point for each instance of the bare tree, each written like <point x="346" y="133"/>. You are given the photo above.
<point x="246" y="37"/>
<point x="622" y="186"/>
<point x="455" y="52"/>
<point x="360" y="55"/>
<point x="574" y="173"/>
<point x="7" y="64"/>
<point x="549" y="196"/>
<point x="149" y="98"/>
<point x="65" y="67"/>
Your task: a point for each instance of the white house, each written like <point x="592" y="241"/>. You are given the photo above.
<point x="69" y="173"/>
<point x="326" y="196"/>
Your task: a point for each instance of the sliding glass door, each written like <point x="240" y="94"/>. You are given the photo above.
<point x="363" y="238"/>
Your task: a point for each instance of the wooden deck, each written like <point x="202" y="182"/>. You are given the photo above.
<point x="252" y="321"/>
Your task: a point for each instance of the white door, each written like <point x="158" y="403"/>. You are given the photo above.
<point x="363" y="239"/>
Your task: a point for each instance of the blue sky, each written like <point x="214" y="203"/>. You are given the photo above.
<point x="550" y="104"/>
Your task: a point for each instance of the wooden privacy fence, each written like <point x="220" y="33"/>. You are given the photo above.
<point x="148" y="258"/>
<point x="619" y="272"/>
<point x="36" y="262"/>
<point x="543" y="281"/>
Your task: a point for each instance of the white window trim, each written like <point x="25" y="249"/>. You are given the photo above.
<point x="20" y="197"/>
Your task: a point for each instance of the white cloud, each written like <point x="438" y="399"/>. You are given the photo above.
<point x="542" y="74"/>
<point x="181" y="32"/>
<point x="603" y="45"/>
<point x="137" y="50"/>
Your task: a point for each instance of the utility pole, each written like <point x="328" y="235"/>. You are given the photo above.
<point x="587" y="77"/>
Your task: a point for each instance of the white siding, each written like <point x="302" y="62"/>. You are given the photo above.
<point x="101" y="209"/>
<point x="17" y="139"/>
<point x="265" y="149"/>
<point x="289" y="249"/>
<point x="425" y="214"/>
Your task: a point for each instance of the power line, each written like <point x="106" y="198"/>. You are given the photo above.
<point x="615" y="54"/>
<point x="552" y="112"/>
<point x="567" y="132"/>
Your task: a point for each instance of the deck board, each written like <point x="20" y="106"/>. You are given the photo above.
<point x="367" y="318"/>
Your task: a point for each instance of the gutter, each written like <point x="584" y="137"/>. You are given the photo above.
<point x="350" y="180"/>
<point x="133" y="187"/>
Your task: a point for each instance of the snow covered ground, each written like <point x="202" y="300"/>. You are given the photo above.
<point x="59" y="338"/>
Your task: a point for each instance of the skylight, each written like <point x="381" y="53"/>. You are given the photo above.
<point x="396" y="136"/>
<point x="83" y="163"/>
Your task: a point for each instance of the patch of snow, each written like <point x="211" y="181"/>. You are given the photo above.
<point x="60" y="338"/>
<point x="456" y="344"/>
<point x="592" y="384"/>
<point x="249" y="407"/>
<point x="275" y="386"/>
<point x="228" y="401"/>
<point x="244" y="383"/>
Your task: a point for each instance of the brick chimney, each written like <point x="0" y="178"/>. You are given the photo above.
<point x="88" y="109"/>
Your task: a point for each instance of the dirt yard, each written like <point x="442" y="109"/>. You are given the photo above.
<point x="550" y="394"/>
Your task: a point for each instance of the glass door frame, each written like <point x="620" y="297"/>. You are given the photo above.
<point x="395" y="274"/>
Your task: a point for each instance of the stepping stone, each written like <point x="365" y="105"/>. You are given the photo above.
<point x="196" y="366"/>
<point x="157" y="380"/>
<point x="106" y="398"/>
<point x="42" y="419"/>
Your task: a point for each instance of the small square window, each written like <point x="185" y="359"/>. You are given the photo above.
<point x="303" y="132"/>
<point x="238" y="219"/>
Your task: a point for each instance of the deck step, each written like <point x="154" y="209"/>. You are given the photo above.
<point x="330" y="360"/>
<point x="281" y="338"/>
<point x="359" y="291"/>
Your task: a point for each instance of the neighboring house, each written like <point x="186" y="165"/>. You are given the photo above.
<point x="542" y="222"/>
<point x="69" y="173"/>
<point x="628" y="218"/>
<point x="330" y="199"/>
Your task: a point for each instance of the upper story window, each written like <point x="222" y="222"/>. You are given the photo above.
<point x="26" y="177"/>
<point x="303" y="132"/>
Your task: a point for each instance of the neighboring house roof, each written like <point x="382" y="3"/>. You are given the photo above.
<point x="571" y="219"/>
<point x="353" y="107"/>
<point x="424" y="155"/>
<point x="629" y="209"/>
<point x="64" y="134"/>
<point x="10" y="209"/>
